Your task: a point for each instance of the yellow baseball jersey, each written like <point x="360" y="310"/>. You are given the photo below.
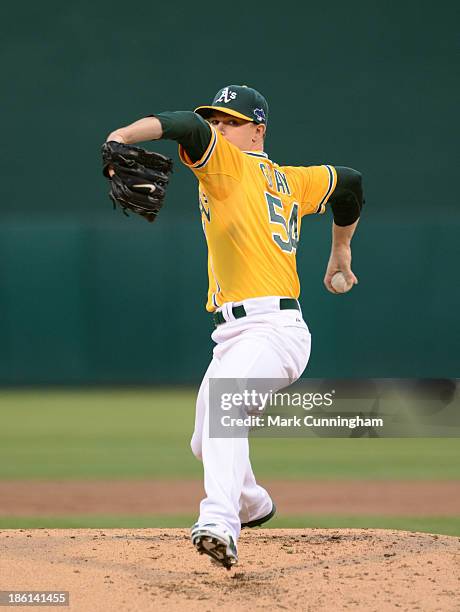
<point x="251" y="212"/>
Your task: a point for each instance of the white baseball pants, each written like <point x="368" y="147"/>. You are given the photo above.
<point x="268" y="343"/>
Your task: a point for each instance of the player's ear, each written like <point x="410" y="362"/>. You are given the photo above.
<point x="261" y="129"/>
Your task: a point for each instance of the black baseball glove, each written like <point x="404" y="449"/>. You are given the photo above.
<point x="140" y="179"/>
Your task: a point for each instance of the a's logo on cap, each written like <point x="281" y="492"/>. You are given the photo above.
<point x="226" y="96"/>
<point x="260" y="115"/>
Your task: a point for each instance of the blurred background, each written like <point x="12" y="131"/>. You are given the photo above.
<point x="89" y="297"/>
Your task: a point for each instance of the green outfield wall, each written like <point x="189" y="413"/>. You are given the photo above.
<point x="89" y="296"/>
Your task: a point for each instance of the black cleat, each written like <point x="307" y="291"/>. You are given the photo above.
<point x="261" y="520"/>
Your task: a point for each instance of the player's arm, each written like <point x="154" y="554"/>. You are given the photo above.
<point x="185" y="127"/>
<point x="346" y="202"/>
<point x="347" y="198"/>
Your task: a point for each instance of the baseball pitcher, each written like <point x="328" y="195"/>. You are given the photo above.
<point x="252" y="211"/>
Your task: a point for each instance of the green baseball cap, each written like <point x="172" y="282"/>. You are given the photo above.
<point x="240" y="101"/>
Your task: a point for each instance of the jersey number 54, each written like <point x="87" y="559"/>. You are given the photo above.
<point x="291" y="227"/>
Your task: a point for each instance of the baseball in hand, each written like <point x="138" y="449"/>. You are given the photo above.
<point x="340" y="284"/>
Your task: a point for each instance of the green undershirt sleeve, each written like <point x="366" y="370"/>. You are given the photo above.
<point x="347" y="199"/>
<point x="188" y="129"/>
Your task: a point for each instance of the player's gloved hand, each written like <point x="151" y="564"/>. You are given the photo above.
<point x="138" y="178"/>
<point x="339" y="261"/>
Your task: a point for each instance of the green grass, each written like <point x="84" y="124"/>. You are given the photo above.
<point x="442" y="525"/>
<point x="145" y="434"/>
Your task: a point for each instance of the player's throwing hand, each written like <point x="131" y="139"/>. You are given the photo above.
<point x="340" y="261"/>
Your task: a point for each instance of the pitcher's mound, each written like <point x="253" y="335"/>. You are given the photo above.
<point x="285" y="569"/>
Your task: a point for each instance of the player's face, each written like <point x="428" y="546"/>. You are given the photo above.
<point x="239" y="132"/>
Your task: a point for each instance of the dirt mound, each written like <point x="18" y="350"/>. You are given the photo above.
<point x="293" y="569"/>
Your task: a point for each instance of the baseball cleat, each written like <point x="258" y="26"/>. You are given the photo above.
<point x="216" y="542"/>
<point x="261" y="520"/>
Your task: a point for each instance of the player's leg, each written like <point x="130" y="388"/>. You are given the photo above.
<point x="255" y="501"/>
<point x="270" y="353"/>
<point x="298" y="349"/>
<point x="200" y="410"/>
<point x="278" y="349"/>
<point x="226" y="460"/>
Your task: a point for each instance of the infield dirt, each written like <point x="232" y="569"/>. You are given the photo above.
<point x="73" y="497"/>
<point x="279" y="569"/>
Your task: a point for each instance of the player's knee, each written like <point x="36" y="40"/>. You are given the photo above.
<point x="195" y="445"/>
